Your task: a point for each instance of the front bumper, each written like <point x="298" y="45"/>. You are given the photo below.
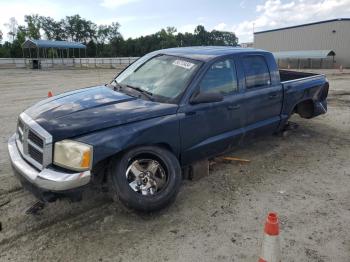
<point x="47" y="179"/>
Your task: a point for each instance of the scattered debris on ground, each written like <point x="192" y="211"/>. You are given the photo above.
<point x="241" y="160"/>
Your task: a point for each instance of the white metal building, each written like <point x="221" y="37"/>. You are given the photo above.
<point x="331" y="35"/>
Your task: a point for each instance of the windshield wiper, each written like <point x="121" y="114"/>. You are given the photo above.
<point x="148" y="94"/>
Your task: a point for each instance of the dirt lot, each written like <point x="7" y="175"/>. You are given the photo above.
<point x="304" y="176"/>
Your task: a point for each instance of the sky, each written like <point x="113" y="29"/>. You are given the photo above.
<point x="142" y="17"/>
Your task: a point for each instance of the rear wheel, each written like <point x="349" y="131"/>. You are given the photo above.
<point x="306" y="109"/>
<point x="146" y="178"/>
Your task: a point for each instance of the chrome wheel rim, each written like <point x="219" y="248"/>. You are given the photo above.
<point x="146" y="176"/>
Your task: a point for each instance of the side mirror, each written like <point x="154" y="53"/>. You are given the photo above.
<point x="200" y="98"/>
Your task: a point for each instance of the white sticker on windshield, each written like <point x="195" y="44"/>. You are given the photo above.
<point x="184" y="64"/>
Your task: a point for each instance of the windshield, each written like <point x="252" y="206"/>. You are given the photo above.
<point x="163" y="76"/>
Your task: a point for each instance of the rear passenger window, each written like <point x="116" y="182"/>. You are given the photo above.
<point x="220" y="78"/>
<point x="256" y="71"/>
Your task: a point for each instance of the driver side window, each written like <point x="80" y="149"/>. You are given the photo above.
<point x="220" y="78"/>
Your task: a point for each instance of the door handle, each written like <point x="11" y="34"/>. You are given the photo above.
<point x="272" y="96"/>
<point x="233" y="107"/>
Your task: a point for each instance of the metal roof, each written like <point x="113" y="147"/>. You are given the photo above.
<point x="295" y="26"/>
<point x="30" y="43"/>
<point x="304" y="54"/>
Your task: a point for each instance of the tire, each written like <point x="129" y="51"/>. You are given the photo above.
<point x="123" y="178"/>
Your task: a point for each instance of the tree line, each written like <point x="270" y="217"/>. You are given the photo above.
<point x="104" y="40"/>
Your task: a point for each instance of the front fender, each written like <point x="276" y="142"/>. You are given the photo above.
<point x="159" y="130"/>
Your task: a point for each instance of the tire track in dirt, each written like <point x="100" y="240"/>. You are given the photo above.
<point x="79" y="216"/>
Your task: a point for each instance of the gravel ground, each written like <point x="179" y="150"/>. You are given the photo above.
<point x="303" y="176"/>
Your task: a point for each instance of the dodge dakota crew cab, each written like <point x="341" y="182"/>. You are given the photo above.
<point x="168" y="109"/>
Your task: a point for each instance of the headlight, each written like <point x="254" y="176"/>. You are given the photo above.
<point x="73" y="155"/>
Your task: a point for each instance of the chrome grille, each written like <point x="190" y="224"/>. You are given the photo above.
<point x="20" y="124"/>
<point x="34" y="142"/>
<point x="35" y="139"/>
<point x="20" y="128"/>
<point x="36" y="154"/>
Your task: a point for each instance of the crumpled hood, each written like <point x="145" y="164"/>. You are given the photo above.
<point x="86" y="110"/>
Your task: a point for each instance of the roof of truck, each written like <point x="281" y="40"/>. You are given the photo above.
<point x="206" y="53"/>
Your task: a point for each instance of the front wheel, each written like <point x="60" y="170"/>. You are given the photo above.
<point x="146" y="178"/>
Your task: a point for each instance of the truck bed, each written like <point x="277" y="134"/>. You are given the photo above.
<point x="286" y="75"/>
<point x="302" y="86"/>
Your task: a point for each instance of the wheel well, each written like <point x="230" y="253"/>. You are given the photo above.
<point x="100" y="169"/>
<point x="305" y="109"/>
<point x="105" y="161"/>
<point x="166" y="146"/>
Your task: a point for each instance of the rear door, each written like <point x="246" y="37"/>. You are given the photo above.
<point x="210" y="128"/>
<point x="263" y="96"/>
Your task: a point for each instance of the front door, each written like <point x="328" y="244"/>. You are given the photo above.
<point x="210" y="128"/>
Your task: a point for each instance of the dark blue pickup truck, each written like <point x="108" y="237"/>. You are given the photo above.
<point x="167" y="110"/>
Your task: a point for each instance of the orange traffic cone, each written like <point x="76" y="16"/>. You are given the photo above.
<point x="270" y="251"/>
<point x="49" y="94"/>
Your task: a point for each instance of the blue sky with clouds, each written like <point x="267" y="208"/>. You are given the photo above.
<point x="142" y="17"/>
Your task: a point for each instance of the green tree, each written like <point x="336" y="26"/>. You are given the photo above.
<point x="33" y="26"/>
<point x="53" y="29"/>
<point x="223" y="38"/>
<point x="106" y="40"/>
<point x="21" y="34"/>
<point x="79" y="29"/>
<point x="115" y="39"/>
<point x="91" y="49"/>
<point x="114" y="31"/>
<point x="5" y="49"/>
<point x="201" y="35"/>
<point x="15" y="48"/>
<point x="102" y="34"/>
